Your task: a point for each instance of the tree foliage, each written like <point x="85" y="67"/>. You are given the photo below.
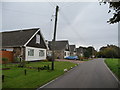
<point x="109" y="51"/>
<point x="115" y="6"/>
<point x="88" y="51"/>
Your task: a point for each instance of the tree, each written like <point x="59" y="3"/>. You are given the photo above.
<point x="116" y="10"/>
<point x="109" y="51"/>
<point x="87" y="54"/>
<point x="88" y="51"/>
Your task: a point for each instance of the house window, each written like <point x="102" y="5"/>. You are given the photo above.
<point x="30" y="52"/>
<point x="65" y="53"/>
<point x="41" y="53"/>
<point x="38" y="38"/>
<point x="68" y="54"/>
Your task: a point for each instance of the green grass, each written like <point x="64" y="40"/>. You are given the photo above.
<point x="114" y="65"/>
<point x="15" y="78"/>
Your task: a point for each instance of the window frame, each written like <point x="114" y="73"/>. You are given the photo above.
<point x="41" y="54"/>
<point x="37" y="38"/>
<point x="30" y="52"/>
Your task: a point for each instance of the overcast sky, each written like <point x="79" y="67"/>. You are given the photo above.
<point x="82" y="23"/>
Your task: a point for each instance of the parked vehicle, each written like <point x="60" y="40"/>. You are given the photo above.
<point x="72" y="57"/>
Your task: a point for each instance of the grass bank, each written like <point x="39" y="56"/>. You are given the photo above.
<point x="114" y="65"/>
<point x="15" y="77"/>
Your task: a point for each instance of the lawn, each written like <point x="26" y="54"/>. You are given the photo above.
<point x="15" y="77"/>
<point x="114" y="65"/>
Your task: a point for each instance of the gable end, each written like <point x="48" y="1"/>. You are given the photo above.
<point x="32" y="42"/>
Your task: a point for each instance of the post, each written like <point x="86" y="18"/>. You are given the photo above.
<point x="25" y="71"/>
<point x="54" y="37"/>
<point x="38" y="69"/>
<point x="3" y="77"/>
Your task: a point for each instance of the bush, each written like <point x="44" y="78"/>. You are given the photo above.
<point x="5" y="60"/>
<point x="22" y="63"/>
<point x="17" y="59"/>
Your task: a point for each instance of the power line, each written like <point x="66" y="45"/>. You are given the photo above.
<point x="51" y="4"/>
<point x="72" y="28"/>
<point x="55" y="3"/>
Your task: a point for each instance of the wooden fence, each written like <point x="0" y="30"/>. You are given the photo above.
<point x="6" y="54"/>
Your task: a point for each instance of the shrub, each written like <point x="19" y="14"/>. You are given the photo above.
<point x="17" y="59"/>
<point x="5" y="60"/>
<point x="22" y="63"/>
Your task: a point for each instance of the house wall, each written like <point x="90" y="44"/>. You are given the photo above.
<point x="36" y="54"/>
<point x="72" y="53"/>
<point x="59" y="54"/>
<point x="66" y="54"/>
<point x="16" y="53"/>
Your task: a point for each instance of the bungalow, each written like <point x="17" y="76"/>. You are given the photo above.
<point x="61" y="48"/>
<point x="27" y="44"/>
<point x="72" y="50"/>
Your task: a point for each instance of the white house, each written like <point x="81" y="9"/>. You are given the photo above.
<point x="27" y="44"/>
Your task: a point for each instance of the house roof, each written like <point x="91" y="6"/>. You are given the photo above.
<point x="17" y="38"/>
<point x="72" y="48"/>
<point x="59" y="45"/>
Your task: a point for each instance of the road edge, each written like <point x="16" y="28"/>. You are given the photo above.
<point x="111" y="72"/>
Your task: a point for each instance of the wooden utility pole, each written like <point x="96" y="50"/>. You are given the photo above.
<point x="54" y="37"/>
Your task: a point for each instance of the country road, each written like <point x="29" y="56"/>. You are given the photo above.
<point x="90" y="74"/>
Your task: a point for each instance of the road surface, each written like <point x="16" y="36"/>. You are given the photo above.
<point x="90" y="74"/>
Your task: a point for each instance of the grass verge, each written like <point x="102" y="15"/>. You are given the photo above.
<point x="15" y="77"/>
<point x="114" y="65"/>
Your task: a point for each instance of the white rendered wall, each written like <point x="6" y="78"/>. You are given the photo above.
<point x="67" y="54"/>
<point x="36" y="54"/>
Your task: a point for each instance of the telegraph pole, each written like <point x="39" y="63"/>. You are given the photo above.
<point x="54" y="37"/>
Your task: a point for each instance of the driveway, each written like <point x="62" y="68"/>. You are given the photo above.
<point x="90" y="74"/>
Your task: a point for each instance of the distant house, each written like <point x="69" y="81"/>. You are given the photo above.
<point x="72" y="50"/>
<point x="80" y="51"/>
<point x="61" y="48"/>
<point x="27" y="44"/>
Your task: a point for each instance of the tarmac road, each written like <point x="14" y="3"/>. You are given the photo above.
<point x="90" y="74"/>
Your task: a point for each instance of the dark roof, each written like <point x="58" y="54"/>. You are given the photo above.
<point x="17" y="38"/>
<point x="72" y="48"/>
<point x="59" y="45"/>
